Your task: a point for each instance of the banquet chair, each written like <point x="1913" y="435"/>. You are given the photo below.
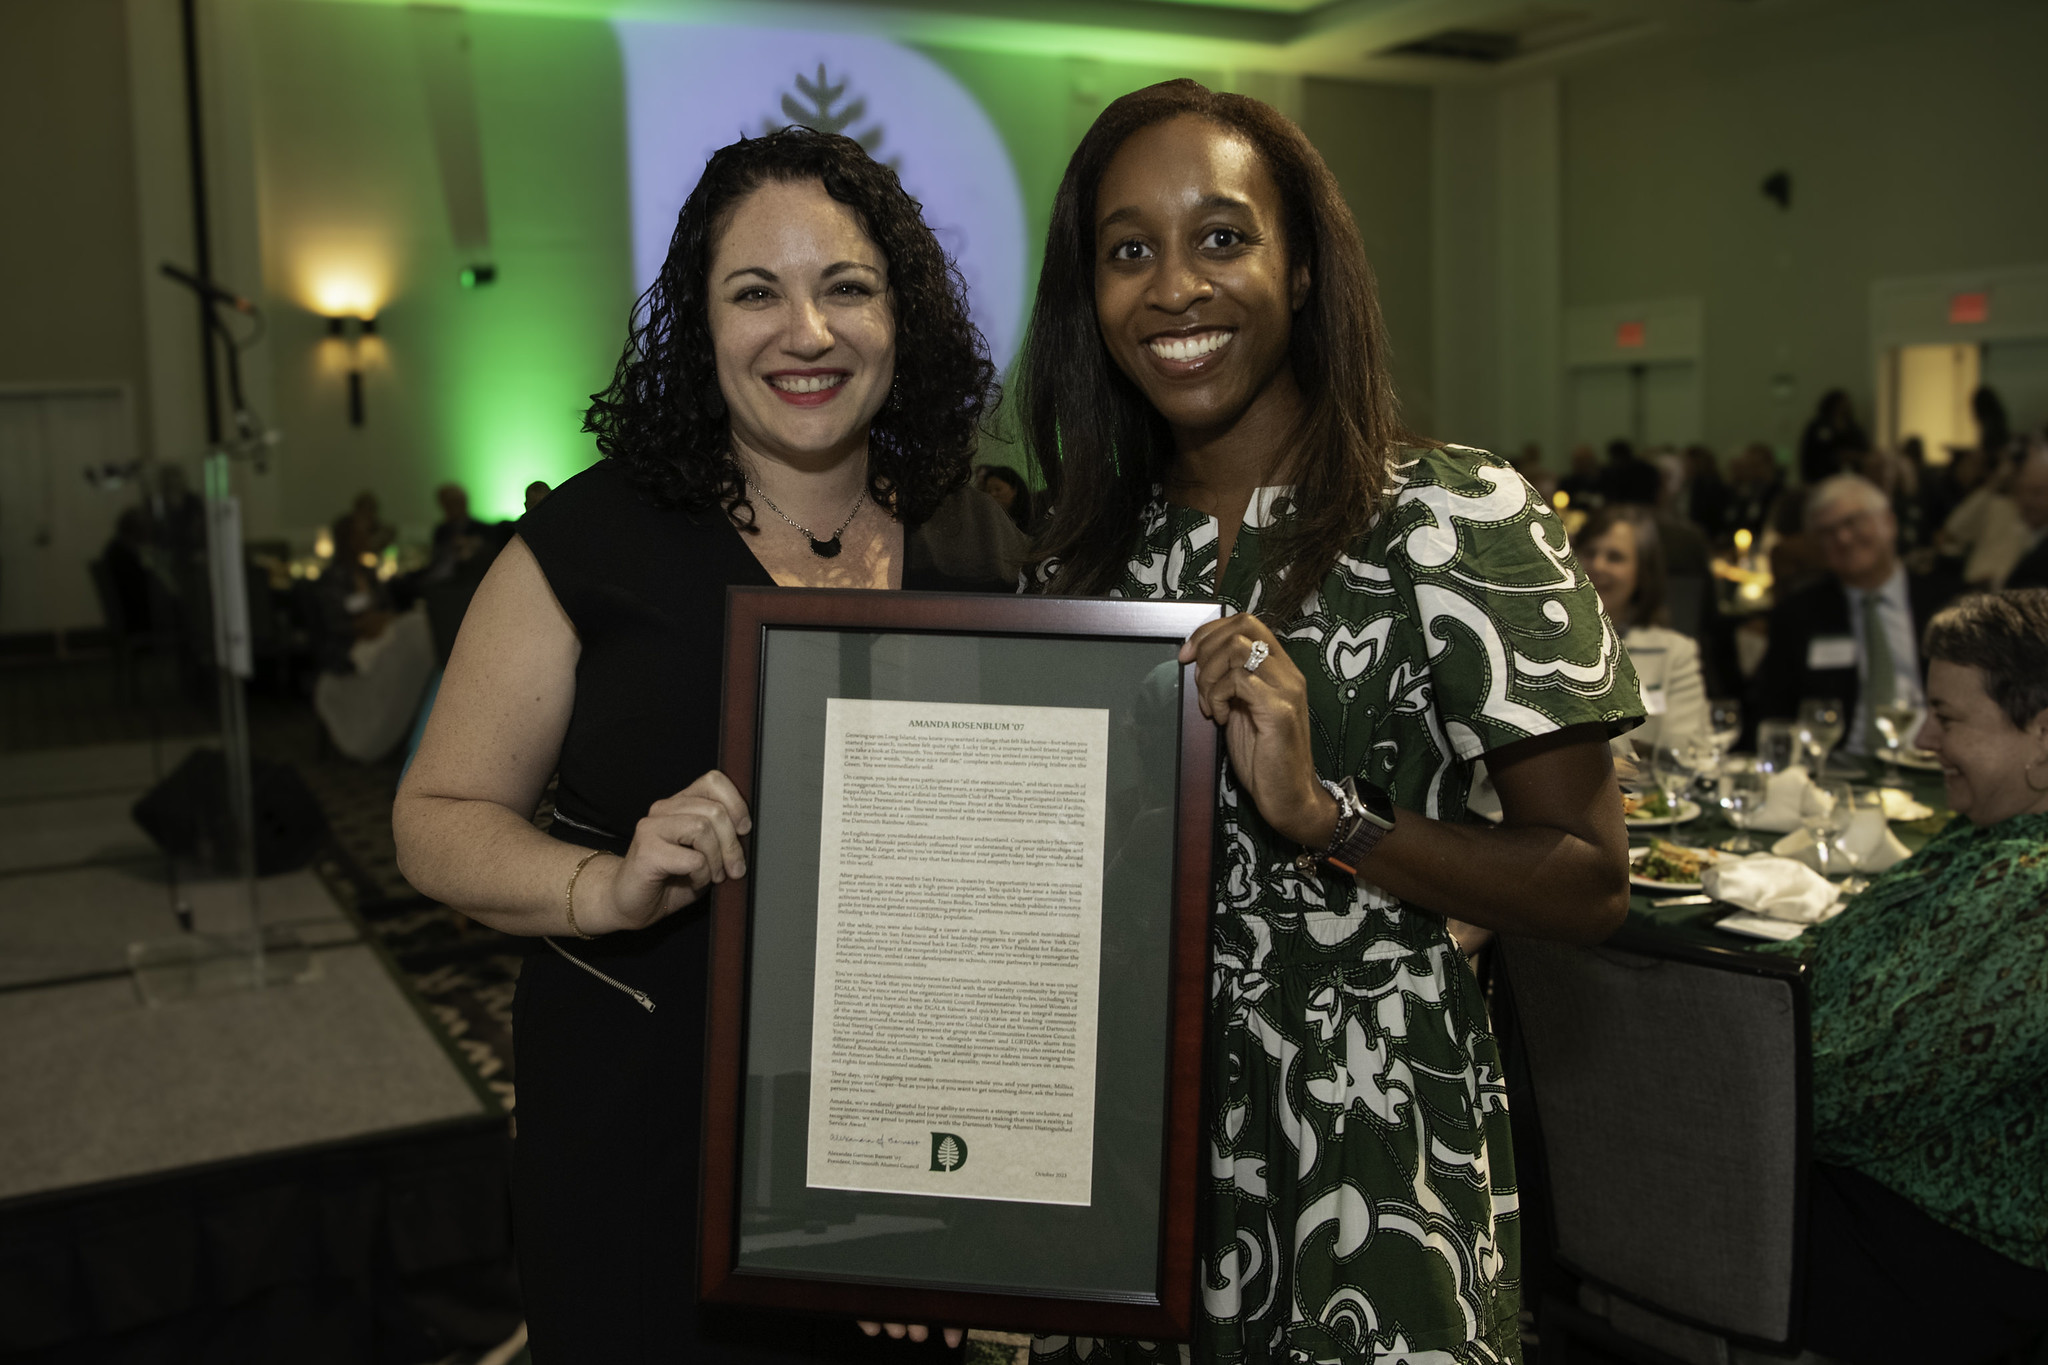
<point x="1671" y="1084"/>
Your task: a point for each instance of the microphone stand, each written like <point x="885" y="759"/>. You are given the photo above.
<point x="228" y="596"/>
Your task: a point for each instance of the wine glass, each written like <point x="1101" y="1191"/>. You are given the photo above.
<point x="1724" y="724"/>
<point x="1777" y="746"/>
<point x="1826" y="814"/>
<point x="1895" y="721"/>
<point x="1676" y="767"/>
<point x="1821" y="723"/>
<point x="1744" y="786"/>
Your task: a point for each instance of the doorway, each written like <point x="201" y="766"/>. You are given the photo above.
<point x="1930" y="398"/>
<point x="57" y="511"/>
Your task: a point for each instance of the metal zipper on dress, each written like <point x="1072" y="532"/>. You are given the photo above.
<point x="574" y="823"/>
<point x="646" y="1001"/>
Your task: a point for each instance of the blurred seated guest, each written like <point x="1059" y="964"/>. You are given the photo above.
<point x="1898" y="479"/>
<point x="1994" y="427"/>
<point x="128" y="571"/>
<point x="536" y="493"/>
<point x="374" y="661"/>
<point x="1795" y="558"/>
<point x="456" y="526"/>
<point x="1689" y="600"/>
<point x="1830" y="439"/>
<point x="1628" y="477"/>
<point x="1708" y="499"/>
<point x="1582" y="485"/>
<point x="375" y="533"/>
<point x="1010" y="492"/>
<point x="2030" y="496"/>
<point x="1853" y="635"/>
<point x="1943" y="487"/>
<point x="1755" y="483"/>
<point x="179" y="515"/>
<point x="1623" y="554"/>
<point x="1986" y="533"/>
<point x="1928" y="1222"/>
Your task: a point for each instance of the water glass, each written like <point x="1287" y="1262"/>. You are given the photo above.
<point x="1724" y="724"/>
<point x="1777" y="746"/>
<point x="1743" y="787"/>
<point x="1677" y="767"/>
<point x="1826" y="814"/>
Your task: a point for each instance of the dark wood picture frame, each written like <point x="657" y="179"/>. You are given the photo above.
<point x="1168" y="1312"/>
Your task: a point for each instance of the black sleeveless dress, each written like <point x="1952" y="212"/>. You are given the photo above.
<point x="605" y="1163"/>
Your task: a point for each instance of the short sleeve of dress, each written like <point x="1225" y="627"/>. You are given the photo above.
<point x="1516" y="641"/>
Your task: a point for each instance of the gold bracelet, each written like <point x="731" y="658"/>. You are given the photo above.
<point x="571" y="897"/>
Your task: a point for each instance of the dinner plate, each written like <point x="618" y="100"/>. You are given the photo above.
<point x="1919" y="759"/>
<point x="1687" y="810"/>
<point x="1642" y="883"/>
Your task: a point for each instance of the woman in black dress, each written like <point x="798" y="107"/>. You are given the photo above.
<point x="798" y="404"/>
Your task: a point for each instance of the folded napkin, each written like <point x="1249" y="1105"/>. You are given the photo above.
<point x="1788" y="796"/>
<point x="1870" y="843"/>
<point x="1760" y="926"/>
<point x="1778" y="888"/>
<point x="1868" y="846"/>
<point x="1900" y="805"/>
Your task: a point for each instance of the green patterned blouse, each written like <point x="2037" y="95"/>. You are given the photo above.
<point x="1360" y="1200"/>
<point x="1930" y="1032"/>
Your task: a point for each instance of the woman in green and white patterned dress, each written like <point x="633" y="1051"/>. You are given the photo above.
<point x="1205" y="385"/>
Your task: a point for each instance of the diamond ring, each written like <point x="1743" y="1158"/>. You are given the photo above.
<point x="1256" y="657"/>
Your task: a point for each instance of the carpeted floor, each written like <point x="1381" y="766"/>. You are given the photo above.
<point x="463" y="973"/>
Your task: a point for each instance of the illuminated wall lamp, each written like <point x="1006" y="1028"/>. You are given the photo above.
<point x="351" y="331"/>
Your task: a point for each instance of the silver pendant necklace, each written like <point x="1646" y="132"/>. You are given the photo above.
<point x="824" y="549"/>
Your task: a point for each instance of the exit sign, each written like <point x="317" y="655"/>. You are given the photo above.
<point x="1631" y="336"/>
<point x="1966" y="308"/>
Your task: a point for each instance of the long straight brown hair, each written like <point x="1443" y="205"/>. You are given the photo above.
<point x="1101" y="445"/>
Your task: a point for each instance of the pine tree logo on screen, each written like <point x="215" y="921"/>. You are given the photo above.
<point x="949" y="1151"/>
<point x="820" y="109"/>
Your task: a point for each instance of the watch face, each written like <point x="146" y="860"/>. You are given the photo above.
<point x="1372" y="802"/>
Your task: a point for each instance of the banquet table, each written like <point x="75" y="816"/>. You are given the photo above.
<point x="1696" y="923"/>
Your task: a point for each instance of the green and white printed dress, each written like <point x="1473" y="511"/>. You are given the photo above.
<point x="1360" y="1186"/>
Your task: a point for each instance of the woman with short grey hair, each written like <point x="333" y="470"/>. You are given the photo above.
<point x="1928" y="1225"/>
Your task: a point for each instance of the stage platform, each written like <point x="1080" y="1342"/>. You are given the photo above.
<point x="264" y="1167"/>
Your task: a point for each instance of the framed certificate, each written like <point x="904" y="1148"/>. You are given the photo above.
<point x="954" y="1059"/>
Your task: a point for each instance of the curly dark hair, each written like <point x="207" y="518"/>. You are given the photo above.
<point x="665" y="421"/>
<point x="1100" y="443"/>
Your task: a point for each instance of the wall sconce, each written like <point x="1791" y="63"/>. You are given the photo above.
<point x="350" y="331"/>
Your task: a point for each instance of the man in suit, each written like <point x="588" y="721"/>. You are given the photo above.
<point x="2030" y="494"/>
<point x="1855" y="635"/>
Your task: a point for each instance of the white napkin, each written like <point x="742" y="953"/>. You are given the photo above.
<point x="1787" y="796"/>
<point x="1778" y="888"/>
<point x="1760" y="926"/>
<point x="1870" y="843"/>
<point x="1900" y="805"/>
<point x="1868" y="846"/>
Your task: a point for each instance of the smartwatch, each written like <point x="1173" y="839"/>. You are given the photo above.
<point x="1364" y="815"/>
